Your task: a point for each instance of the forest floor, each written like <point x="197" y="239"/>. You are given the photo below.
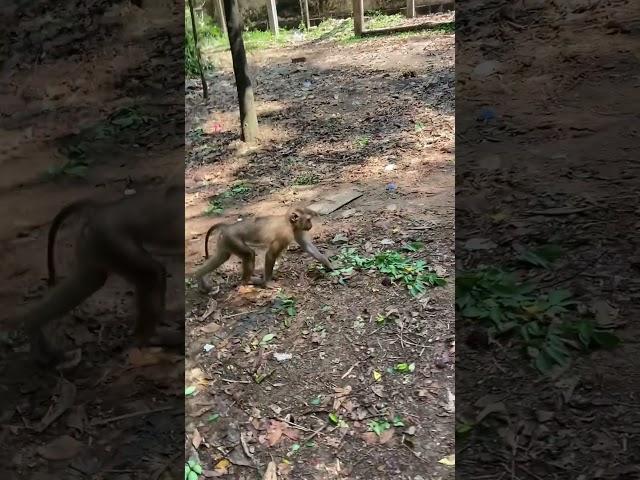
<point x="328" y="376"/>
<point x="547" y="198"/>
<point x="82" y="119"/>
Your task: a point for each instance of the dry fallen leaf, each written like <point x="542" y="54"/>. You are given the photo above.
<point x="370" y="438"/>
<point x="66" y="396"/>
<point x="196" y="439"/>
<point x="270" y="473"/>
<point x="222" y="466"/>
<point x="386" y="436"/>
<point x="274" y="432"/>
<point x="449" y="460"/>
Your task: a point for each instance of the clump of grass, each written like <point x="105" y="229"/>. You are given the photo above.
<point x="362" y="141"/>
<point x="307" y="178"/>
<point x="214" y="207"/>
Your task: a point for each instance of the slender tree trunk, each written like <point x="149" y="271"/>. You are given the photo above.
<point x="219" y="11"/>
<point x="411" y="8"/>
<point x="248" y="117"/>
<point x="358" y="17"/>
<point x="272" y="13"/>
<point x="307" y="21"/>
<point x="205" y="89"/>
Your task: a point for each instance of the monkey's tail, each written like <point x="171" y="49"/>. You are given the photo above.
<point x="53" y="230"/>
<point x="206" y="239"/>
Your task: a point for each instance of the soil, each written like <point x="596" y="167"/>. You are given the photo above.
<point x="558" y="137"/>
<point x="366" y="114"/>
<point x="60" y="91"/>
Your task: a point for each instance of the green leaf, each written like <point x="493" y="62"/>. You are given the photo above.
<point x="315" y="401"/>
<point x="606" y="339"/>
<point x="189" y="390"/>
<point x="192" y="475"/>
<point x="397" y="421"/>
<point x="333" y="417"/>
<point x="379" y="427"/>
<point x="543" y="363"/>
<point x="197" y="468"/>
<point x="213" y="417"/>
<point x="558" y="297"/>
<point x="267" y="338"/>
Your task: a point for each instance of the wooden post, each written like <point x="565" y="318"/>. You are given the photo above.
<point x="248" y="117"/>
<point x="411" y="8"/>
<point x="272" y="12"/>
<point x="358" y="17"/>
<point x="307" y="21"/>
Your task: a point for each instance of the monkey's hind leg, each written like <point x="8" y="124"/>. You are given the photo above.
<point x="248" y="256"/>
<point x="67" y="295"/>
<point x="209" y="266"/>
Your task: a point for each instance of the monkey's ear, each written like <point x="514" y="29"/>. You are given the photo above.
<point x="293" y="218"/>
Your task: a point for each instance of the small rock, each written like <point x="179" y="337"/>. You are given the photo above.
<point x="208" y="347"/>
<point x="340" y="238"/>
<point x="410" y="431"/>
<point x="129" y="191"/>
<point x="391" y="187"/>
<point x="392" y="207"/>
<point x="486" y="69"/>
<point x="390" y="167"/>
<point x="282" y="357"/>
<point x="387" y="241"/>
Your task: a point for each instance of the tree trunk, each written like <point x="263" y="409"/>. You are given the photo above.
<point x="248" y="117"/>
<point x="272" y="13"/>
<point x="307" y="21"/>
<point x="411" y="8"/>
<point x="358" y="17"/>
<point x="205" y="89"/>
<point x="218" y="8"/>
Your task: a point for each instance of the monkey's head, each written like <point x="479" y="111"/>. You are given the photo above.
<point x="300" y="218"/>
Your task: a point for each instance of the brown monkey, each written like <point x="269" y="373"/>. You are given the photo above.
<point x="275" y="232"/>
<point x="112" y="240"/>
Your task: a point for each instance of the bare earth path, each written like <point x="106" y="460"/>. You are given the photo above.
<point x="267" y="382"/>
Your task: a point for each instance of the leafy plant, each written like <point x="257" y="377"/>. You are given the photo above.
<point x="379" y="426"/>
<point x="545" y="322"/>
<point x="238" y="189"/>
<point x="306" y="179"/>
<point x="130" y="118"/>
<point x="76" y="164"/>
<point x="415" y="274"/>
<point x="541" y="257"/>
<point x="192" y="470"/>
<point x="405" y="367"/>
<point x="337" y="420"/>
<point x="214" y="207"/>
<point x="286" y="304"/>
<point x="362" y="141"/>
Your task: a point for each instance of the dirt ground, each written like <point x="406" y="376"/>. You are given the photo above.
<point x="118" y="413"/>
<point x="377" y="115"/>
<point x="563" y="134"/>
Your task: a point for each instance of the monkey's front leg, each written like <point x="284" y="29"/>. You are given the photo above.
<point x="269" y="262"/>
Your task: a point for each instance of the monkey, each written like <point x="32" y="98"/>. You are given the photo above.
<point x="275" y="232"/>
<point x="112" y="240"/>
